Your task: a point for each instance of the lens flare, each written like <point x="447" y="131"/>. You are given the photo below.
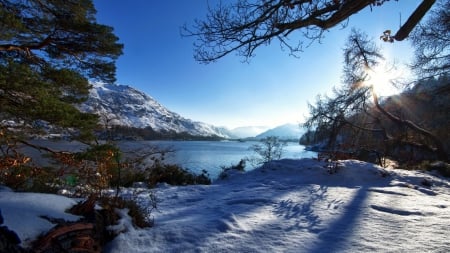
<point x="382" y="78"/>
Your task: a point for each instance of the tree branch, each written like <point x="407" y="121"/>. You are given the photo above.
<point x="26" y="49"/>
<point x="244" y="26"/>
<point x="414" y="19"/>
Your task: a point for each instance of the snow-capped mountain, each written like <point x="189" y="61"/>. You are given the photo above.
<point x="126" y="106"/>
<point x="248" y="131"/>
<point x="286" y="131"/>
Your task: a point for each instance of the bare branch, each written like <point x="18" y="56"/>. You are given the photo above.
<point x="414" y="19"/>
<point x="245" y="25"/>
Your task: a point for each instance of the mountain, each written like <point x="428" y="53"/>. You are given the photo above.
<point x="125" y="106"/>
<point x="285" y="132"/>
<point x="248" y="131"/>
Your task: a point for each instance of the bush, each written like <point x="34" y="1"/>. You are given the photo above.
<point x="441" y="167"/>
<point x="29" y="179"/>
<point x="93" y="170"/>
<point x="128" y="176"/>
<point x="237" y="167"/>
<point x="175" y="175"/>
<point x="139" y="215"/>
<point x="270" y="148"/>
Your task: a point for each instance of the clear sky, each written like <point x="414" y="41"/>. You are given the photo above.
<point x="271" y="90"/>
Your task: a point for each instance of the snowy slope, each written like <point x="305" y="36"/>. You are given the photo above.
<point x="248" y="131"/>
<point x="296" y="206"/>
<point x="123" y="105"/>
<point x="288" y="206"/>
<point x="22" y="212"/>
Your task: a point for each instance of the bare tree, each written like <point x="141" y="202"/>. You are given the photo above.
<point x="269" y="149"/>
<point x="431" y="41"/>
<point x="357" y="107"/>
<point x="244" y="25"/>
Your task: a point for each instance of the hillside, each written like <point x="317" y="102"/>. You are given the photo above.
<point x="284" y="132"/>
<point x="248" y="131"/>
<point x="120" y="105"/>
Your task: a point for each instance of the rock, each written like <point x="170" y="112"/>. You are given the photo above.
<point x="9" y="241"/>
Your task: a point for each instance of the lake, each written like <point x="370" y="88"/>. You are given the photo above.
<point x="213" y="155"/>
<point x="192" y="155"/>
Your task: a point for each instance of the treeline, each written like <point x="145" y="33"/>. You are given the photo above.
<point x="132" y="133"/>
<point x="427" y="104"/>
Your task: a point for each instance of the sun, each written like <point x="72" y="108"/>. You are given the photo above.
<point x="382" y="79"/>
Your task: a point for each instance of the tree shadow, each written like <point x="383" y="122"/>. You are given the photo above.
<point x="302" y="213"/>
<point x="243" y="210"/>
<point x="338" y="232"/>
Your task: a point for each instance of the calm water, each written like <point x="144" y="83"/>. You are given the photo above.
<point x="193" y="155"/>
<point x="213" y="155"/>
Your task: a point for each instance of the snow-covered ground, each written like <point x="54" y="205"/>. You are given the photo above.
<point x="25" y="213"/>
<point x="289" y="206"/>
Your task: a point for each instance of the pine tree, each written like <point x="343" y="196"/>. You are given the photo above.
<point x="49" y="49"/>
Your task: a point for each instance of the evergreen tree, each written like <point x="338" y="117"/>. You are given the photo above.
<point x="48" y="51"/>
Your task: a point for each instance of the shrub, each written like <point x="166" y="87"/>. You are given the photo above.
<point x="269" y="149"/>
<point x="89" y="171"/>
<point x="29" y="179"/>
<point x="128" y="176"/>
<point x="237" y="167"/>
<point x="175" y="175"/>
<point x="140" y="216"/>
<point x="441" y="167"/>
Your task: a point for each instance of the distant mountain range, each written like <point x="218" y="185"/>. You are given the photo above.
<point x="284" y="132"/>
<point x="248" y="131"/>
<point x="125" y="106"/>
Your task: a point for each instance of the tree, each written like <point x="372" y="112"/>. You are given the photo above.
<point x="269" y="149"/>
<point x="245" y="25"/>
<point x="356" y="110"/>
<point x="48" y="50"/>
<point x="431" y="41"/>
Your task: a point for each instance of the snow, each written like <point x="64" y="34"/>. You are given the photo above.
<point x="25" y="213"/>
<point x="126" y="106"/>
<point x="286" y="206"/>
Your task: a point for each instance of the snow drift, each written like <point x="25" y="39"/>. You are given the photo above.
<point x="286" y="206"/>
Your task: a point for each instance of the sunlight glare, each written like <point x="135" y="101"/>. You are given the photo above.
<point x="382" y="78"/>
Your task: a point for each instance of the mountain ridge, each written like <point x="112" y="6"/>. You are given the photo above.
<point x="287" y="131"/>
<point x="125" y="106"/>
<point x="122" y="105"/>
<point x="248" y="131"/>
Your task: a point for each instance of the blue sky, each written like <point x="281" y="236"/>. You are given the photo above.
<point x="271" y="90"/>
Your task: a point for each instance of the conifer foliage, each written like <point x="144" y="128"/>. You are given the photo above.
<point x="48" y="51"/>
